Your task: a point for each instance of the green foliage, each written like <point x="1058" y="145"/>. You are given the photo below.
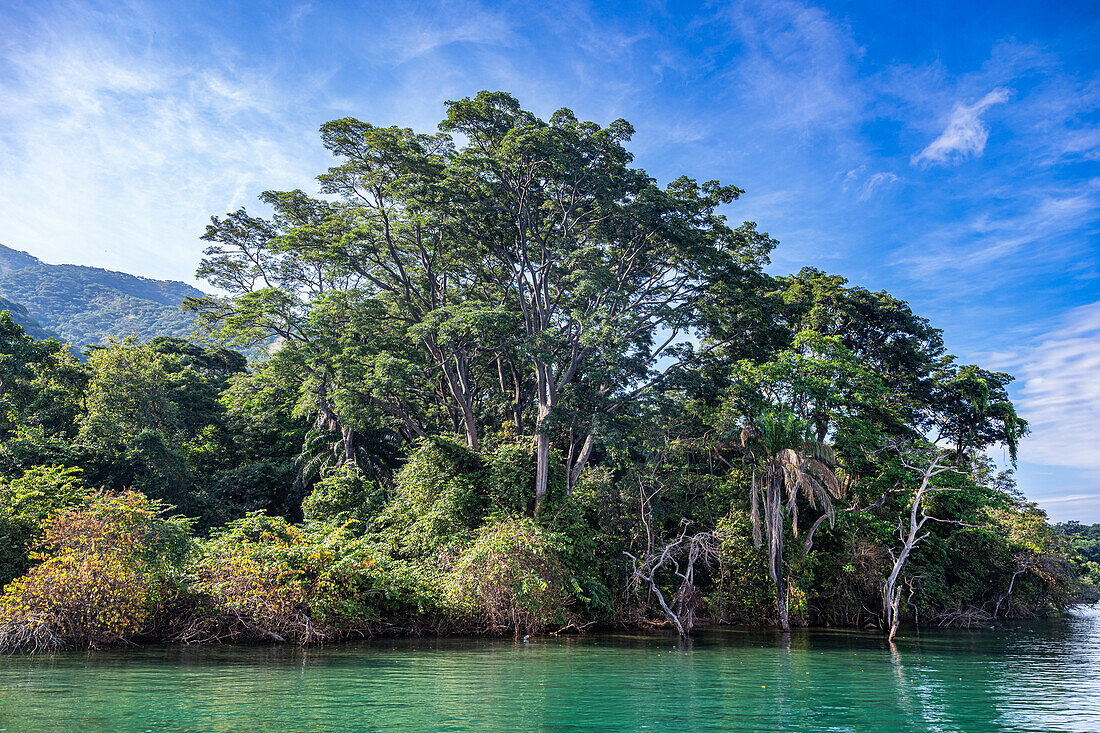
<point x="26" y="504"/>
<point x="108" y="567"/>
<point x="1085" y="540"/>
<point x="130" y="392"/>
<point x="512" y="576"/>
<point x="442" y="495"/>
<point x="512" y="480"/>
<point x="344" y="495"/>
<point x="41" y="385"/>
<point x="742" y="593"/>
<point x="261" y="578"/>
<point x="232" y="493"/>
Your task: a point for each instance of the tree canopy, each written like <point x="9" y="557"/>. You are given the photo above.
<point x="502" y="377"/>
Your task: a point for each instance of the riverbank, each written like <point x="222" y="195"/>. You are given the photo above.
<point x="1039" y="675"/>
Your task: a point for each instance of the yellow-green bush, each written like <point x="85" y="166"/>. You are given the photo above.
<point x="260" y="577"/>
<point x="108" y="567"/>
<point x="442" y="496"/>
<point x="344" y="494"/>
<point x="511" y="576"/>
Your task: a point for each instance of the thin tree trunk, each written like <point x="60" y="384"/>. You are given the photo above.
<point x="581" y="462"/>
<point x="891" y="594"/>
<point x="542" y="469"/>
<point x="773" y="521"/>
<point x="891" y="603"/>
<point x="517" y="399"/>
<point x="348" y="437"/>
<point x="542" y="439"/>
<point x="1015" y="574"/>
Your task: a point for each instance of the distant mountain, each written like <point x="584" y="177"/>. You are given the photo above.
<point x="86" y="305"/>
<point x="19" y="315"/>
<point x="13" y="259"/>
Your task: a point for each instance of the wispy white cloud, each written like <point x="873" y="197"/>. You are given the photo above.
<point x="966" y="133"/>
<point x="1059" y="394"/>
<point x="798" y="63"/>
<point x="116" y="154"/>
<point x="857" y="179"/>
<point x="1001" y="243"/>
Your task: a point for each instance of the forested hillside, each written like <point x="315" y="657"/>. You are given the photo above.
<point x="31" y="326"/>
<point x="520" y="387"/>
<point x="87" y="305"/>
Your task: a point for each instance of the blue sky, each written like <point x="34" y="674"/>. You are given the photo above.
<point x="948" y="152"/>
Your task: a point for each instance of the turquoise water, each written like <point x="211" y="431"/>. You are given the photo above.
<point x="1042" y="676"/>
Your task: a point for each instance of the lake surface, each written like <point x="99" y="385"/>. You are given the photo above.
<point x="1041" y="676"/>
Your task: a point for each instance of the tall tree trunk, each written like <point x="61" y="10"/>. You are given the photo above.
<point x="542" y="438"/>
<point x="891" y="600"/>
<point x="891" y="594"/>
<point x="470" y="427"/>
<point x="773" y="521"/>
<point x="517" y="398"/>
<point x="542" y="468"/>
<point x="348" y="436"/>
<point x="580" y="462"/>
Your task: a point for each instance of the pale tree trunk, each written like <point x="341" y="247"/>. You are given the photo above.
<point x="549" y="385"/>
<point x="348" y="437"/>
<point x="470" y="427"/>
<point x="773" y="522"/>
<point x="1021" y="567"/>
<point x="517" y="397"/>
<point x="580" y="462"/>
<point x="542" y="469"/>
<point x="542" y="438"/>
<point x="891" y="593"/>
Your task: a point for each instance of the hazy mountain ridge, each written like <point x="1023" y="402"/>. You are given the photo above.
<point x="31" y="326"/>
<point x="87" y="305"/>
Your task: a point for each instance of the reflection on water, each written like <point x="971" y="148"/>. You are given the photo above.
<point x="1042" y="676"/>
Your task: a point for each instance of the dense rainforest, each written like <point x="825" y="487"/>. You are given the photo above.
<point x="509" y="383"/>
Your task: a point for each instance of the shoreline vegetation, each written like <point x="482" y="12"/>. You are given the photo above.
<point x="511" y="385"/>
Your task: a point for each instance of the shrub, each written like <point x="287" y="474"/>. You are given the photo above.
<point x="511" y="576"/>
<point x="442" y="496"/>
<point x="262" y="578"/>
<point x="344" y="494"/>
<point x="109" y="566"/>
<point x="445" y="475"/>
<point x="743" y="593"/>
<point x="26" y="503"/>
<point x="512" y="480"/>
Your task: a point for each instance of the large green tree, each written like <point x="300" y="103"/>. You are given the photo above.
<point x="531" y="262"/>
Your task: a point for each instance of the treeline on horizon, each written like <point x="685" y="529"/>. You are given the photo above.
<point x="511" y="385"/>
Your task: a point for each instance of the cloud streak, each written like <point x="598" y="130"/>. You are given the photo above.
<point x="1060" y="393"/>
<point x="116" y="154"/>
<point x="966" y="133"/>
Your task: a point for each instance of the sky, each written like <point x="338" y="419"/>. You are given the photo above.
<point x="948" y="152"/>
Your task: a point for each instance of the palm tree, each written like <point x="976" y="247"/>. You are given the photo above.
<point x="375" y="451"/>
<point x="787" y="461"/>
